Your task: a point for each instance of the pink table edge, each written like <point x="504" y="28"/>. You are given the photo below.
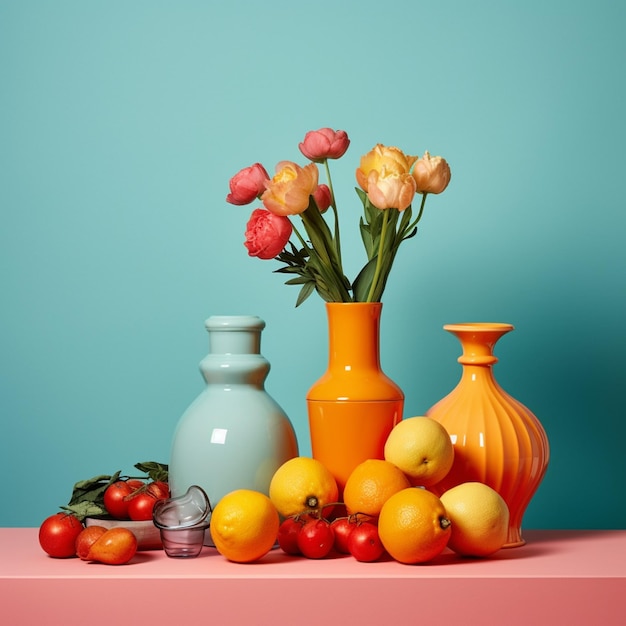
<point x="568" y="576"/>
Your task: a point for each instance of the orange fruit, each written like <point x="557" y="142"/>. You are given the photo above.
<point x="302" y="484"/>
<point x="422" y="449"/>
<point x="244" y="525"/>
<point x="413" y="526"/>
<point x="479" y="516"/>
<point x="371" y="484"/>
<point x="88" y="536"/>
<point x="115" y="546"/>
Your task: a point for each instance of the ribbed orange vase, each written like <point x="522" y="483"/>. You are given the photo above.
<point x="497" y="440"/>
<point x="354" y="405"/>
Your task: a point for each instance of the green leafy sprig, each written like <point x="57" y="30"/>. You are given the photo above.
<point x="88" y="495"/>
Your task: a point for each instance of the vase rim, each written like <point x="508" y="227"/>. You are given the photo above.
<point x="353" y="304"/>
<point x="234" y="322"/>
<point x="480" y="327"/>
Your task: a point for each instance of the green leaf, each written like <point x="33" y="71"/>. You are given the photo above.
<point x="305" y="292"/>
<point x="299" y="280"/>
<point x="156" y="471"/>
<point x="93" y="489"/>
<point x="90" y="483"/>
<point x="363" y="282"/>
<point x="407" y="214"/>
<point x="85" y="509"/>
<point x="289" y="270"/>
<point x="319" y="234"/>
<point x="411" y="234"/>
<point x="362" y="195"/>
<point x="366" y="236"/>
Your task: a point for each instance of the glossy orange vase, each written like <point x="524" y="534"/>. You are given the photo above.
<point x="497" y="440"/>
<point x="354" y="405"/>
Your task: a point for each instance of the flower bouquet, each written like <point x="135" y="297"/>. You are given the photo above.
<point x="388" y="181"/>
<point x="354" y="406"/>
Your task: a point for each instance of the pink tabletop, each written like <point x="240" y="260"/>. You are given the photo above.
<point x="558" y="577"/>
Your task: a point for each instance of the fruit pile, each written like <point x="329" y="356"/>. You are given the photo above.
<point x="386" y="508"/>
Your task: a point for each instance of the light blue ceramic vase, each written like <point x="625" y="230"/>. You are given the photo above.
<point x="234" y="435"/>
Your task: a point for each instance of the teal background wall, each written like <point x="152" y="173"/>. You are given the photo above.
<point x="120" y="126"/>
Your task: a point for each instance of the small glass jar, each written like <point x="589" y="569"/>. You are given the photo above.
<point x="183" y="522"/>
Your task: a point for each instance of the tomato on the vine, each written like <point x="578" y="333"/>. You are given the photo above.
<point x="287" y="536"/>
<point x="316" y="539"/>
<point x="364" y="543"/>
<point x="118" y="495"/>
<point x="342" y="528"/>
<point x="159" y="489"/>
<point x="140" y="506"/>
<point x="58" y="533"/>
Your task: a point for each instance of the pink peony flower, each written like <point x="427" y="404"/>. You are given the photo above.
<point x="324" y="143"/>
<point x="267" y="234"/>
<point x="323" y="198"/>
<point x="288" y="192"/>
<point x="247" y="184"/>
<point x="432" y="174"/>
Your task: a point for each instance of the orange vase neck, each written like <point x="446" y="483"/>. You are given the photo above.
<point x="478" y="340"/>
<point x="353" y="332"/>
<point x="354" y="371"/>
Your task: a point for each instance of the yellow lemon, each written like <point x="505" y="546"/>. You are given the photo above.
<point x="413" y="526"/>
<point x="479" y="516"/>
<point x="244" y="525"/>
<point x="302" y="484"/>
<point x="371" y="484"/>
<point x="422" y="449"/>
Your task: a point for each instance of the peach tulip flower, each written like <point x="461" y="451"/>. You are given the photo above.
<point x="432" y="174"/>
<point x="288" y="192"/>
<point x="390" y="190"/>
<point x="391" y="159"/>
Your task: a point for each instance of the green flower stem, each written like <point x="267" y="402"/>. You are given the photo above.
<point x="419" y="215"/>
<point x="379" y="260"/>
<point x="322" y="256"/>
<point x="335" y="213"/>
<point x="305" y="245"/>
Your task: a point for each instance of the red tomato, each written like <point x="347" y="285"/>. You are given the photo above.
<point x="140" y="506"/>
<point x="316" y="539"/>
<point x="287" y="537"/>
<point x="58" y="533"/>
<point x="159" y="489"/>
<point x="135" y="484"/>
<point x="342" y="527"/>
<point x="117" y="497"/>
<point x="364" y="543"/>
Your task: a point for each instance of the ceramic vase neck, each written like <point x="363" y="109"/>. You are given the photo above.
<point x="478" y="341"/>
<point x="354" y="340"/>
<point x="234" y="334"/>
<point x="235" y="351"/>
